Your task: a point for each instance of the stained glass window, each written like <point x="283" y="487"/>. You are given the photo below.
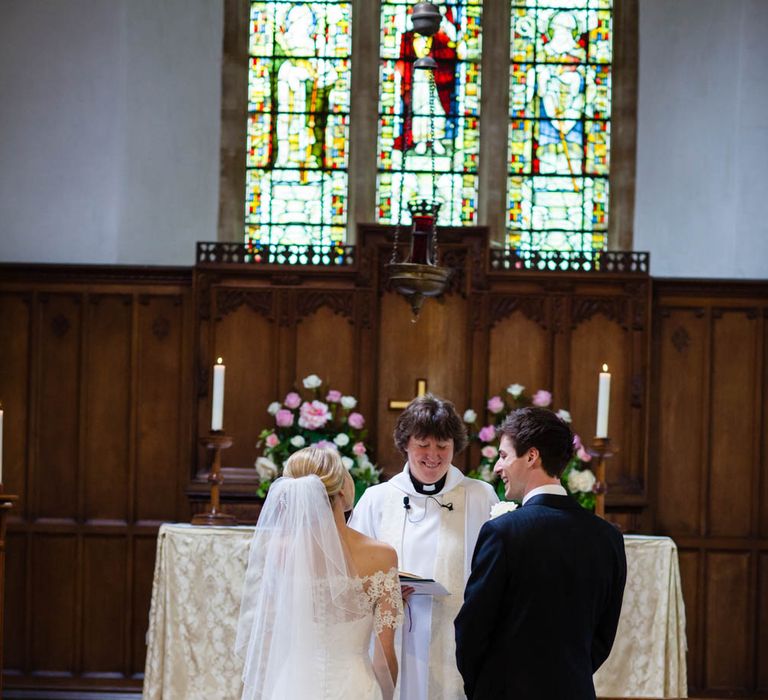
<point x="559" y="129"/>
<point x="429" y="120"/>
<point x="298" y="121"/>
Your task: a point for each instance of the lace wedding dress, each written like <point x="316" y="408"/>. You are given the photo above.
<point x="308" y="625"/>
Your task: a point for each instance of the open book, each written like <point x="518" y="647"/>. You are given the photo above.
<point x="422" y="586"/>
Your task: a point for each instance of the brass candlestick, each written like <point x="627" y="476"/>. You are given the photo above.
<point x="601" y="448"/>
<point x="216" y="441"/>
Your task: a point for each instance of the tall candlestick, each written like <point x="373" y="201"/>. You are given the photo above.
<point x="603" y="402"/>
<point x="217" y="407"/>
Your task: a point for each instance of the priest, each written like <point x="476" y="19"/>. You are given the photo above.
<point x="431" y="514"/>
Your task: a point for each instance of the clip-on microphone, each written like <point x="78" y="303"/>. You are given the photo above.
<point x="406" y="503"/>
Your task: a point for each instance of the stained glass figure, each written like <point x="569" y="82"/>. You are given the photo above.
<point x="429" y="120"/>
<point x="559" y="130"/>
<point x="298" y="122"/>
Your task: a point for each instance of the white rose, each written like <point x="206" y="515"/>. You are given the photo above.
<point x="266" y="469"/>
<point x="348" y="462"/>
<point x="581" y="481"/>
<point x="342" y="439"/>
<point x="312" y="381"/>
<point x="515" y="390"/>
<point x="502" y="507"/>
<point x="298" y="441"/>
<point x="348" y="402"/>
<point x="273" y="408"/>
<point x="564" y="415"/>
<point x="470" y="416"/>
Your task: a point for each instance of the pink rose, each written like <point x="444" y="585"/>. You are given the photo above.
<point x="273" y="440"/>
<point x="284" y="418"/>
<point x="334" y="396"/>
<point x="356" y="420"/>
<point x="313" y="415"/>
<point x="359" y="449"/>
<point x="487" y="433"/>
<point x="582" y="454"/>
<point x="325" y="445"/>
<point x="489" y="452"/>
<point x="495" y="404"/>
<point x="292" y="400"/>
<point x="542" y="398"/>
<point x="576" y="442"/>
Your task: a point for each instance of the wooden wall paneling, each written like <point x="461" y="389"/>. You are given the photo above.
<point x="325" y="345"/>
<point x="520" y="345"/>
<point x="680" y="410"/>
<point x="56" y="476"/>
<point x="54" y="620"/>
<point x="161" y="399"/>
<point x="691" y="579"/>
<point x="15" y="312"/>
<point x="761" y="637"/>
<point x="728" y="652"/>
<point x="733" y="424"/>
<point x="762" y="479"/>
<point x="108" y="389"/>
<point x="106" y="601"/>
<point x="433" y="348"/>
<point x="15" y="630"/>
<point x="141" y="574"/>
<point x="478" y="364"/>
<point x="246" y="336"/>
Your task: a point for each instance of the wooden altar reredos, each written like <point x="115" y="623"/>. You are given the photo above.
<point x="498" y="323"/>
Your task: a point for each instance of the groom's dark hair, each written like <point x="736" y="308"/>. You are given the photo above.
<point x="542" y="429"/>
<point x="430" y="416"/>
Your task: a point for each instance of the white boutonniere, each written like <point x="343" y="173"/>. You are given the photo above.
<point x="502" y="507"/>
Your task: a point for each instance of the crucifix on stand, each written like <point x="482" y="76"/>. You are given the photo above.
<point x="421" y="389"/>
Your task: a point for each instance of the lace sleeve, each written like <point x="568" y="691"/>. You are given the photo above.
<point x="387" y="599"/>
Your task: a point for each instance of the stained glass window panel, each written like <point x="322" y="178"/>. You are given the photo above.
<point x="559" y="128"/>
<point x="298" y="122"/>
<point x="429" y="121"/>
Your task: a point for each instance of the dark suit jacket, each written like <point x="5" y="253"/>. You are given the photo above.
<point x="542" y="604"/>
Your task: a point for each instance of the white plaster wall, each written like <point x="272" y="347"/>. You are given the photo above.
<point x="109" y="129"/>
<point x="701" y="205"/>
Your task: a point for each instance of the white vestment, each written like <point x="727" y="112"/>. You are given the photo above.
<point x="431" y="542"/>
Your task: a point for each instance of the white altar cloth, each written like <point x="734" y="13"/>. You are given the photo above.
<point x="196" y="592"/>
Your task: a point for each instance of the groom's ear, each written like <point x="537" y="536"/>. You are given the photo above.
<point x="533" y="455"/>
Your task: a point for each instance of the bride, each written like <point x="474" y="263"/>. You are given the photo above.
<point x="317" y="593"/>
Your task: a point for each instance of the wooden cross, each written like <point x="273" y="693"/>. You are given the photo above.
<point x="421" y="389"/>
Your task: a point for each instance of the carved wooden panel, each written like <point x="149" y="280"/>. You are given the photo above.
<point x="142" y="569"/>
<point x="57" y="460"/>
<point x="162" y="415"/>
<point x="325" y="345"/>
<point x="104" y="568"/>
<point x="690" y="579"/>
<point x="734" y="423"/>
<point x="16" y="603"/>
<point x="521" y="352"/>
<point x="55" y="604"/>
<point x="680" y="411"/>
<point x="14" y="389"/>
<point x="107" y="443"/>
<point x="434" y="348"/>
<point x="726" y="634"/>
<point x="251" y="345"/>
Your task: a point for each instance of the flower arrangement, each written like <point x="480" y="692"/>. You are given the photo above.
<point x="324" y="418"/>
<point x="578" y="479"/>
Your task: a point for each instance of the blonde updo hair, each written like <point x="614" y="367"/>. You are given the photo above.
<point x="323" y="463"/>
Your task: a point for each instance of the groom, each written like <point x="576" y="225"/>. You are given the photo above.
<point x="542" y="604"/>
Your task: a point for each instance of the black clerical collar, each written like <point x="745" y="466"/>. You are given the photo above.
<point x="428" y="489"/>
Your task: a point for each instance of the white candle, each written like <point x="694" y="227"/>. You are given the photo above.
<point x="603" y="401"/>
<point x="217" y="408"/>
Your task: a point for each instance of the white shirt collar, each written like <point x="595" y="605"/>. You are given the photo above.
<point x="403" y="481"/>
<point x="551" y="489"/>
